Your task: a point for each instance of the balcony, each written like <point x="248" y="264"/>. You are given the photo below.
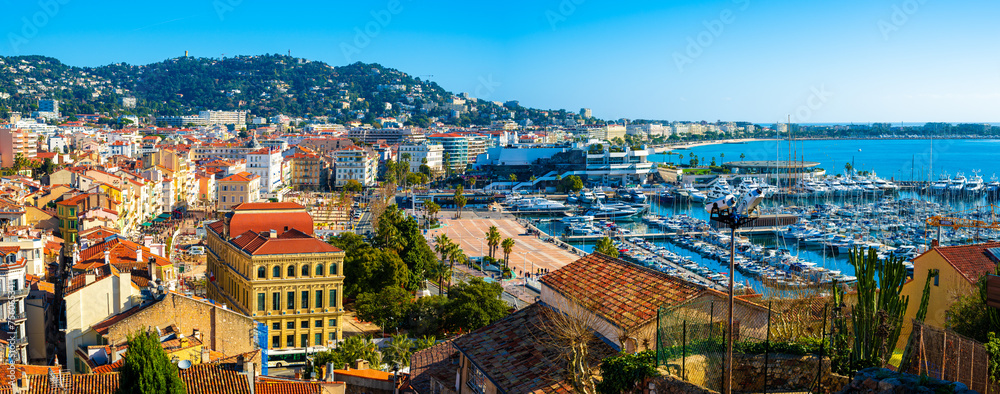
<point x="19" y="342"/>
<point x="13" y="294"/>
<point x="19" y="316"/>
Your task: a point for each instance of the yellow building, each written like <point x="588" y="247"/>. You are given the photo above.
<point x="70" y="210"/>
<point x="237" y="189"/>
<point x="263" y="261"/>
<point x="958" y="268"/>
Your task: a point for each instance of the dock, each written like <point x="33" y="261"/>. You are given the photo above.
<point x="585" y="238"/>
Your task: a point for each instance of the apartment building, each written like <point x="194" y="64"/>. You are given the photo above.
<point x="455" y="146"/>
<point x="430" y="154"/>
<point x="266" y="164"/>
<point x="354" y="163"/>
<point x="14" y="142"/>
<point x="237" y="189"/>
<point x="309" y="171"/>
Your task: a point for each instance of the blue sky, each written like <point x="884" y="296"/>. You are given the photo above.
<point x="754" y="60"/>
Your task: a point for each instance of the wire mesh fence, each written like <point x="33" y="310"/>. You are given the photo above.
<point x="945" y="355"/>
<point x="691" y="342"/>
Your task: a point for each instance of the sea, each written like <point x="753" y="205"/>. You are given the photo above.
<point x="899" y="160"/>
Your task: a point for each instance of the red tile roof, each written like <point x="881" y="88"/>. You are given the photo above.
<point x="267" y="206"/>
<point x="242" y="222"/>
<point x="970" y="261"/>
<point x="241" y="177"/>
<point x="626" y="294"/>
<point x="438" y="362"/>
<point x="291" y="241"/>
<point x="519" y="354"/>
<point x="276" y="387"/>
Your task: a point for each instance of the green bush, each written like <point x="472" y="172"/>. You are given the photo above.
<point x="621" y="373"/>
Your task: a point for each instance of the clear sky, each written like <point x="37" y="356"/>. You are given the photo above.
<point x="754" y="60"/>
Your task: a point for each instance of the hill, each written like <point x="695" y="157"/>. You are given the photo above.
<point x="265" y="85"/>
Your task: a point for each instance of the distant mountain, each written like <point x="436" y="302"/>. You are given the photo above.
<point x="265" y="85"/>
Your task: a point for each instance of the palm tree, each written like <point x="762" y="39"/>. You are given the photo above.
<point x="460" y="199"/>
<point x="442" y="244"/>
<point x="472" y="183"/>
<point x="606" y="247"/>
<point x="455" y="253"/>
<point x="742" y="156"/>
<point x="508" y="246"/>
<point x="513" y="178"/>
<point x="493" y="240"/>
<point x="432" y="209"/>
<point x="399" y="350"/>
<point x="722" y="158"/>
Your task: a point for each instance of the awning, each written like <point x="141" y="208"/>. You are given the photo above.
<point x="164" y="215"/>
<point x="158" y="220"/>
<point x="146" y="224"/>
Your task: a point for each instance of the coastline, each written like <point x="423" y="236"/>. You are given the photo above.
<point x="682" y="146"/>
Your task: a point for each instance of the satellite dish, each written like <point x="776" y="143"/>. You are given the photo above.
<point x="184" y="364"/>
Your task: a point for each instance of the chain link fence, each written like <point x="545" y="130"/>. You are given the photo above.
<point x="691" y="342"/>
<point x="945" y="355"/>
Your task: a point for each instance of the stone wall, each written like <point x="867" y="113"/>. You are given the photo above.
<point x="784" y="372"/>
<point x="878" y="380"/>
<point x="222" y="330"/>
<point x="671" y="385"/>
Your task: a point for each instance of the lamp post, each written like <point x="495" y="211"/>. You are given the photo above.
<point x="733" y="220"/>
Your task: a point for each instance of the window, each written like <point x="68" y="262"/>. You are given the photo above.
<point x="290" y="340"/>
<point x="261" y="273"/>
<point x="319" y="323"/>
<point x="319" y="269"/>
<point x="477" y="380"/>
<point x="290" y="325"/>
<point x="305" y="299"/>
<point x="223" y="198"/>
<point x="276" y="326"/>
<point x="290" y="300"/>
<point x="317" y="339"/>
<point x="276" y="272"/>
<point x="275" y="302"/>
<point x="937" y="275"/>
<point x="305" y="340"/>
<point x="333" y="298"/>
<point x="304" y="324"/>
<point x="260" y="301"/>
<point x="319" y="299"/>
<point x="305" y="270"/>
<point x="333" y="269"/>
<point x="291" y="271"/>
<point x="333" y="336"/>
<point x="332" y="323"/>
<point x="275" y="341"/>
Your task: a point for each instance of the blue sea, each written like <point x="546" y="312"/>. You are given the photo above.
<point x="891" y="159"/>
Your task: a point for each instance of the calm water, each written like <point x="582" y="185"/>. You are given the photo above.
<point x="896" y="159"/>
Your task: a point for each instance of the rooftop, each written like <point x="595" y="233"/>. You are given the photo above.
<point x="970" y="261"/>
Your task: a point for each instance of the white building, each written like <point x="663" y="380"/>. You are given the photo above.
<point x="238" y="118"/>
<point x="266" y="163"/>
<point x="32" y="250"/>
<point x="123" y="148"/>
<point x="13" y="291"/>
<point x="355" y="163"/>
<point x="430" y="154"/>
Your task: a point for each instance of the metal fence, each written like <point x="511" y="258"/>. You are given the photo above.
<point x="945" y="355"/>
<point x="691" y="339"/>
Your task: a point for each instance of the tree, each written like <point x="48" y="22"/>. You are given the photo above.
<point x="743" y="156"/>
<point x="512" y="177"/>
<point x="350" y="349"/>
<point x="848" y="167"/>
<point x="475" y="304"/>
<point x="472" y="182"/>
<point x="460" y="199"/>
<point x="606" y="247"/>
<point x="970" y="316"/>
<point x="455" y="253"/>
<point x="146" y="368"/>
<point x="352" y="185"/>
<point x="427" y="315"/>
<point x="722" y="158"/>
<point x="508" y="247"/>
<point x="368" y="269"/>
<point x="571" y="183"/>
<point x="493" y="240"/>
<point x="386" y="308"/>
<point x="399" y="351"/>
<point x="432" y="209"/>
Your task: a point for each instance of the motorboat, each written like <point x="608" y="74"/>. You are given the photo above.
<point x="539" y="204"/>
<point x="617" y="211"/>
<point x="957" y="184"/>
<point x="719" y="189"/>
<point x="975" y="185"/>
<point x="942" y="184"/>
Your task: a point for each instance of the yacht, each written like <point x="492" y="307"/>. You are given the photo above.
<point x="577" y="219"/>
<point x="994" y="185"/>
<point x="601" y="211"/>
<point x="942" y="184"/>
<point x="975" y="184"/>
<point x="587" y="197"/>
<point x="636" y="195"/>
<point x="957" y="184"/>
<point x="719" y="190"/>
<point x="694" y="194"/>
<point x="538" y="204"/>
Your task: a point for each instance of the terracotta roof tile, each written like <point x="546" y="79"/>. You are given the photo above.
<point x="971" y="261"/>
<point x="624" y="293"/>
<point x="438" y="362"/>
<point x="519" y="355"/>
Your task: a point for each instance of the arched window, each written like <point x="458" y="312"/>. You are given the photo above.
<point x="333" y="269"/>
<point x="319" y="269"/>
<point x="291" y="271"/>
<point x="276" y="272"/>
<point x="261" y="272"/>
<point x="305" y="269"/>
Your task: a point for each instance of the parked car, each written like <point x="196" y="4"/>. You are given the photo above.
<point x="196" y="250"/>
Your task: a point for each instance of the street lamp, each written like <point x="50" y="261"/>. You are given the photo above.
<point x="733" y="214"/>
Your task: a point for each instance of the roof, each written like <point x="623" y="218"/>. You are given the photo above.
<point x="121" y="252"/>
<point x="363" y="373"/>
<point x="267" y="206"/>
<point x="438" y="362"/>
<point x="270" y="386"/>
<point x="288" y="242"/>
<point x="970" y="261"/>
<point x="257" y="222"/>
<point x="519" y="355"/>
<point x="633" y="299"/>
<point x="241" y="177"/>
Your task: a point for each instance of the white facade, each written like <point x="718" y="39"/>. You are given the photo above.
<point x="266" y="163"/>
<point x="224" y="117"/>
<point x="13" y="292"/>
<point x="432" y="153"/>
<point x="32" y="250"/>
<point x="357" y="164"/>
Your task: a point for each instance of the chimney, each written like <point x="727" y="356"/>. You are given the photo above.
<point x="107" y="256"/>
<point x="197" y="334"/>
<point x="89" y="278"/>
<point x="206" y="356"/>
<point x="152" y="269"/>
<point x="274" y="233"/>
<point x="138" y="253"/>
<point x="934" y="243"/>
<point x="360" y="364"/>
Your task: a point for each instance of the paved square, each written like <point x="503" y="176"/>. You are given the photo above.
<point x="529" y="252"/>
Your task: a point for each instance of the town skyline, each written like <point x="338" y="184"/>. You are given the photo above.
<point x="735" y="60"/>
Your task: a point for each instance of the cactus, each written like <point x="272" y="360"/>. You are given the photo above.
<point x="878" y="314"/>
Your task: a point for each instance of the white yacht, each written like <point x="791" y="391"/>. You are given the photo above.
<point x="957" y="184"/>
<point x="538" y="204"/>
<point x="719" y="190"/>
<point x="975" y="184"/>
<point x="994" y="185"/>
<point x="942" y="184"/>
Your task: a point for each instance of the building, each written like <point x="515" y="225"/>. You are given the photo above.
<point x="237" y="189"/>
<point x="618" y="166"/>
<point x="372" y="136"/>
<point x="14" y="142"/>
<point x="128" y="102"/>
<point x="586" y="113"/>
<point x="31" y="248"/>
<point x="430" y="154"/>
<point x="238" y="118"/>
<point x="958" y="268"/>
<point x="45" y="105"/>
<point x="309" y="172"/>
<point x="73" y="210"/>
<point x="89" y="299"/>
<point x="455" y="149"/>
<point x="355" y="163"/>
<point x="266" y="164"/>
<point x="13" y="291"/>
<point x="265" y="262"/>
